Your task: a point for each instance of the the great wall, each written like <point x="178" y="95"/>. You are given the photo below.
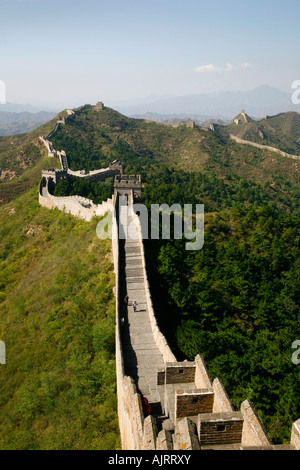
<point x="189" y="410"/>
<point x="264" y="147"/>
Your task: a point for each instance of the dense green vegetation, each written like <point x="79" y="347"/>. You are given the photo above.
<point x="57" y="317"/>
<point x="176" y="186"/>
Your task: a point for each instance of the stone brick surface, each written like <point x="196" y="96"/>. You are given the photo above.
<point x="180" y="372"/>
<point x="193" y="402"/>
<point x="220" y="428"/>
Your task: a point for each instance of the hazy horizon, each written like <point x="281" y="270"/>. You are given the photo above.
<point x="142" y="100"/>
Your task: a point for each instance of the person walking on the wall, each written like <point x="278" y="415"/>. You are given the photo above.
<point x="146" y="406"/>
<point x="126" y="298"/>
<point x="134" y="306"/>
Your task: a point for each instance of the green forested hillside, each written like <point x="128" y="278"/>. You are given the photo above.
<point x="94" y="138"/>
<point x="57" y="317"/>
<point x="236" y="301"/>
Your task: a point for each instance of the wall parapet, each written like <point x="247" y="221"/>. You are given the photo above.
<point x="295" y="437"/>
<point x="253" y="432"/>
<point x="76" y="205"/>
<point x="222" y="402"/>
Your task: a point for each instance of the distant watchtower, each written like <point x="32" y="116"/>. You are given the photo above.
<point x="99" y="106"/>
<point x="116" y="165"/>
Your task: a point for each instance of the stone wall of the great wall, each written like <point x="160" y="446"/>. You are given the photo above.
<point x="75" y="205"/>
<point x="264" y="147"/>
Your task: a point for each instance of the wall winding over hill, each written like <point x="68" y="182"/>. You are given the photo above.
<point x="263" y="147"/>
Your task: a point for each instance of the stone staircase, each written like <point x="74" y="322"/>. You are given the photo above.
<point x="141" y="355"/>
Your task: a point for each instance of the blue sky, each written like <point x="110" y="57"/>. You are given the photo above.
<point x="71" y="52"/>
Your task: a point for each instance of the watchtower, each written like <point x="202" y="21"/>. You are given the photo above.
<point x="125" y="185"/>
<point x="99" y="105"/>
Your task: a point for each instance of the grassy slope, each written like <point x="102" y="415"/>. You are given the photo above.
<point x="281" y="131"/>
<point x="57" y="317"/>
<point x="30" y="178"/>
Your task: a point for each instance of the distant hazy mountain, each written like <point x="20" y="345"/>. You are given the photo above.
<point x="21" y="108"/>
<point x="19" y="122"/>
<point x="223" y="105"/>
